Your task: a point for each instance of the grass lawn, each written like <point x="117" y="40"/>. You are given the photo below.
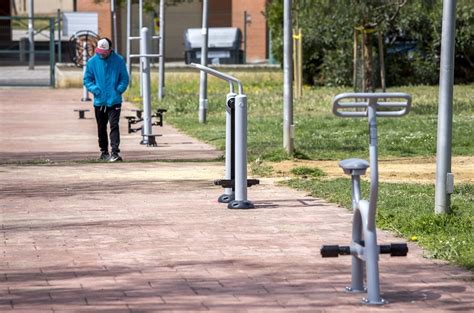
<point x="406" y="209"/>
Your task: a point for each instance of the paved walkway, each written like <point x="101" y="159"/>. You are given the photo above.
<point x="20" y="75"/>
<point x="41" y="125"/>
<point x="150" y="236"/>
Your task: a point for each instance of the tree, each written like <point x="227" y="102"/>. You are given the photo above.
<point x="411" y="39"/>
<point x="370" y="16"/>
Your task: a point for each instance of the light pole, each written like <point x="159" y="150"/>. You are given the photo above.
<point x="128" y="43"/>
<point x="203" y="102"/>
<point x="444" y="177"/>
<point x="161" y="78"/>
<point x="288" y="127"/>
<point x="114" y="23"/>
<point x="31" y="35"/>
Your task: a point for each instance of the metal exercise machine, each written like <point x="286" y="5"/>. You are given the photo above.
<point x="235" y="181"/>
<point x="161" y="69"/>
<point x="159" y="113"/>
<point x="85" y="58"/>
<point x="147" y="137"/>
<point x="364" y="248"/>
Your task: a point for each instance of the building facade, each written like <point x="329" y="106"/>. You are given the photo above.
<point x="178" y="18"/>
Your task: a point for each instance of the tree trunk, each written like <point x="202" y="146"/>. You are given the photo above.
<point x="368" y="63"/>
<point x="382" y="61"/>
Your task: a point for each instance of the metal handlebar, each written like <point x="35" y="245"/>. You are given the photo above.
<point x="342" y="108"/>
<point x="145" y="55"/>
<point x="220" y="75"/>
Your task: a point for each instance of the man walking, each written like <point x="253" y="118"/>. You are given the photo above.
<point x="106" y="77"/>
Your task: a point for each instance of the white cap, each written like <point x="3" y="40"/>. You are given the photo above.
<point x="102" y="46"/>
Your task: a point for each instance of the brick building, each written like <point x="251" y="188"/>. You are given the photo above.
<point x="104" y="15"/>
<point x="222" y="13"/>
<point x="188" y="14"/>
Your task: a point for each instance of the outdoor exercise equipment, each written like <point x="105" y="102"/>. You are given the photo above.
<point x="81" y="113"/>
<point x="81" y="47"/>
<point x="364" y="249"/>
<point x="161" y="68"/>
<point x="138" y="118"/>
<point x="235" y="181"/>
<point x="85" y="58"/>
<point x="77" y="47"/>
<point x="147" y="137"/>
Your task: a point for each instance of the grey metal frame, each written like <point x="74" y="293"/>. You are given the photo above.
<point x="240" y="200"/>
<point x="161" y="74"/>
<point x="52" y="57"/>
<point x="128" y="42"/>
<point x="32" y="52"/>
<point x="161" y="37"/>
<point x="288" y="124"/>
<point x="364" y="248"/>
<point x="444" y="186"/>
<point x="85" y="55"/>
<point x="228" y="195"/>
<point x="31" y="34"/>
<point x="203" y="101"/>
<point x="145" y="56"/>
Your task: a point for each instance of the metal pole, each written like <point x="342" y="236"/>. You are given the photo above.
<point x="444" y="177"/>
<point x="114" y="24"/>
<point x="357" y="266"/>
<point x="245" y="37"/>
<point x="140" y="14"/>
<point x="228" y="195"/>
<point x="240" y="201"/>
<point x="85" y="92"/>
<point x="140" y="26"/>
<point x="161" y="76"/>
<point x="288" y="127"/>
<point x="31" y="35"/>
<point x="52" y="57"/>
<point x="145" y="38"/>
<point x="203" y="102"/>
<point x="128" y="43"/>
<point x="370" y="232"/>
<point x="59" y="36"/>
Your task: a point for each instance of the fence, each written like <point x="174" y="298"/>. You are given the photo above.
<point x="20" y="63"/>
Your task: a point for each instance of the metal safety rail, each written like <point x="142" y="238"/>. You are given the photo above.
<point x="235" y="181"/>
<point x="364" y="248"/>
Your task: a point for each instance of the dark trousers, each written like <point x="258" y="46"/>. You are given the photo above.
<point x="104" y="115"/>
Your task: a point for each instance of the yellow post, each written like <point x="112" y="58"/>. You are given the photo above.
<point x="297" y="63"/>
<point x="300" y="63"/>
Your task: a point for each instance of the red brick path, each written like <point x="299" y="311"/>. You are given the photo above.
<point x="150" y="237"/>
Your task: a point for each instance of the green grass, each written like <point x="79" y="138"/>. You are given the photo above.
<point x="406" y="209"/>
<point x="319" y="134"/>
<point x="306" y="171"/>
<point x="22" y="23"/>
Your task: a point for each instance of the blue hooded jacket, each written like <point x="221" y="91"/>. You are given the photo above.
<point x="107" y="79"/>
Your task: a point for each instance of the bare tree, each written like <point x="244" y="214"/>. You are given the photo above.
<point x="370" y="15"/>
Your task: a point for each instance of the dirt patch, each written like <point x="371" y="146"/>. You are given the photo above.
<point x="422" y="170"/>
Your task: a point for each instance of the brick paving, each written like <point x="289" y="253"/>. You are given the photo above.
<point x="151" y="237"/>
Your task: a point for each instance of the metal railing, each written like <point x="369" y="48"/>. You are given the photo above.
<point x="19" y="54"/>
